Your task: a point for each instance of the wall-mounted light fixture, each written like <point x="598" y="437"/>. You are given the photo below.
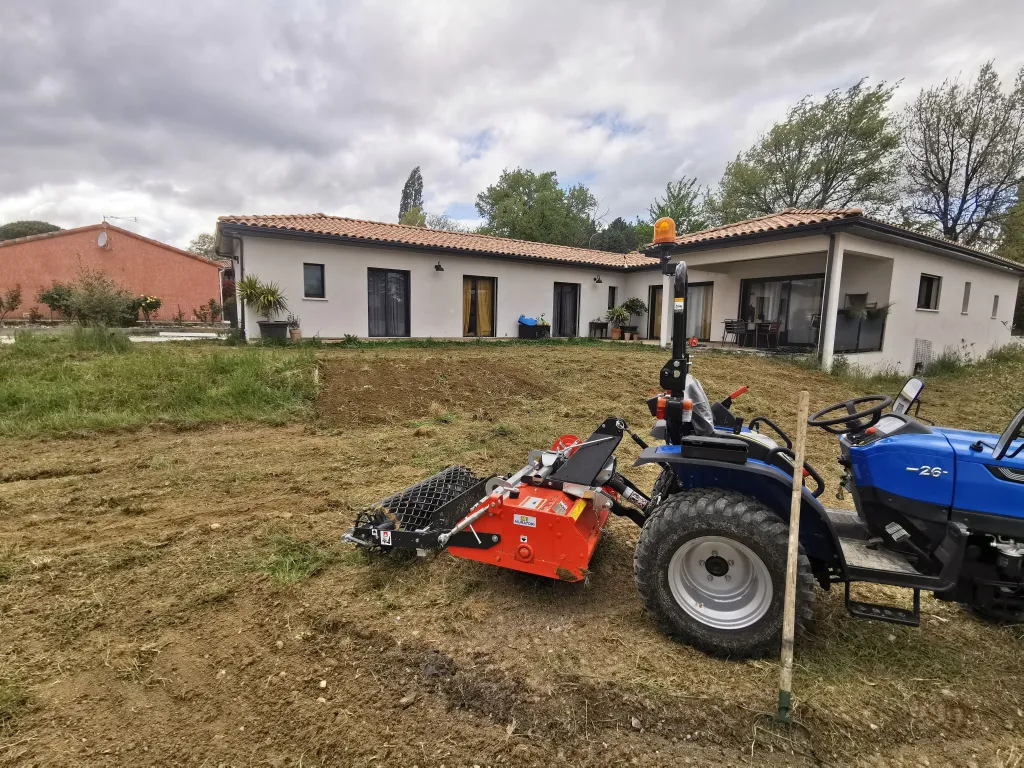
<point x="438" y="267"/>
<point x="598" y="280"/>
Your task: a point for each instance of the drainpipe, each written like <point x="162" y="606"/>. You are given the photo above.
<point x="239" y="309"/>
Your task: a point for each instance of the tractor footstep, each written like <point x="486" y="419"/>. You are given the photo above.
<point x="891" y="614"/>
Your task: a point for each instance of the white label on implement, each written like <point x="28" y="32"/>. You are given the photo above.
<point x="529" y="522"/>
<point x="385" y="538"/>
<point x="533" y="502"/>
<point x="680" y="303"/>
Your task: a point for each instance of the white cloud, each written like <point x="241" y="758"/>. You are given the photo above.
<point x="177" y="113"/>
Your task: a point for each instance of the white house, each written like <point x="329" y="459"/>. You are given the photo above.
<point x="834" y="280"/>
<point x="347" y="276"/>
<point x="846" y="283"/>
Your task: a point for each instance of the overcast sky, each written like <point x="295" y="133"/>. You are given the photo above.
<point x="177" y="112"/>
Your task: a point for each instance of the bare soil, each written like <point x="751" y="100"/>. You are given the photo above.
<point x="135" y="618"/>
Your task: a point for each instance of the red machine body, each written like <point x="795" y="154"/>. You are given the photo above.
<point x="542" y="531"/>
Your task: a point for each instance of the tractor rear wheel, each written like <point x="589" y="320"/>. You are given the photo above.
<point x="711" y="567"/>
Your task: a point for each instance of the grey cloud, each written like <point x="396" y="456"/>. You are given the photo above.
<point x="178" y="112"/>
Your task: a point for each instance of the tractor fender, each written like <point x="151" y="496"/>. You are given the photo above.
<point x="768" y="485"/>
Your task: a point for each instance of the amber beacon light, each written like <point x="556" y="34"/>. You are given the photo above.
<point x="664" y="230"/>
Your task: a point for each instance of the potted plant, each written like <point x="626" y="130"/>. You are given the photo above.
<point x="633" y="307"/>
<point x="294" y="329"/>
<point x="617" y="317"/>
<point x="266" y="299"/>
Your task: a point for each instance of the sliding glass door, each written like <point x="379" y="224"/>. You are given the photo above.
<point x="387" y="295"/>
<point x="478" y="300"/>
<point x="793" y="302"/>
<point x="565" y="320"/>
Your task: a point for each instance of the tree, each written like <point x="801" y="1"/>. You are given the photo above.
<point x="204" y="245"/>
<point x="686" y="203"/>
<point x="26" y="228"/>
<point x="531" y="206"/>
<point x="833" y="153"/>
<point x="445" y="223"/>
<point x="412" y="194"/>
<point x="619" y="237"/>
<point x="414" y="217"/>
<point x="964" y="149"/>
<point x="9" y="301"/>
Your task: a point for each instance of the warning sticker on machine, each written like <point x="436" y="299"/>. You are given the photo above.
<point x="385" y="538"/>
<point x="577" y="509"/>
<point x="533" y="502"/>
<point x="679" y="304"/>
<point x="559" y="508"/>
<point x="527" y="520"/>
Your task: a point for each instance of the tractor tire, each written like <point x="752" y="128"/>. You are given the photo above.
<point x="666" y="485"/>
<point x="682" y="567"/>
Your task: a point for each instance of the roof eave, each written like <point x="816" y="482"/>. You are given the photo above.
<point x="878" y="230"/>
<point x="230" y="228"/>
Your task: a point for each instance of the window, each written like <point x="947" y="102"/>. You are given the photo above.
<point x="995" y="307"/>
<point x="479" y="297"/>
<point x="794" y="302"/>
<point x="313" y="281"/>
<point x="387" y="294"/>
<point x="612" y="293"/>
<point x="928" y="292"/>
<point x="967" y="298"/>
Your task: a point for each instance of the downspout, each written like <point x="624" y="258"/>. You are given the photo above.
<point x="241" y="273"/>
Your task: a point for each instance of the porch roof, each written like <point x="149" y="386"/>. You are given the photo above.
<point x="800" y="222"/>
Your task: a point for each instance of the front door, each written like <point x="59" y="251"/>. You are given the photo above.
<point x="478" y="295"/>
<point x="654" y="312"/>
<point x="566" y="316"/>
<point x="387" y="297"/>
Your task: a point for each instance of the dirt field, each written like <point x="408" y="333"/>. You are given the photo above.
<point x="139" y="624"/>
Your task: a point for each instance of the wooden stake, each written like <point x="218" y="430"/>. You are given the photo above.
<point x="789" y="608"/>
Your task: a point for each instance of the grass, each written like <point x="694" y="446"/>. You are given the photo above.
<point x="14" y="699"/>
<point x="96" y="379"/>
<point x="289" y="560"/>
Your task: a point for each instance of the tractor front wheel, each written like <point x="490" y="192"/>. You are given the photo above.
<point x="711" y="567"/>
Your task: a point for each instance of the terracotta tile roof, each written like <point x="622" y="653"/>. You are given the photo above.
<point x="375" y="231"/>
<point x="221" y="263"/>
<point x="790" y="217"/>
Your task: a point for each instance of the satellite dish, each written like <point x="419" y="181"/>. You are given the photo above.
<point x="101" y="241"/>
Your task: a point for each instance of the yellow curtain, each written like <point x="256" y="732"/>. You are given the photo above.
<point x="484" y="307"/>
<point x="467" y="303"/>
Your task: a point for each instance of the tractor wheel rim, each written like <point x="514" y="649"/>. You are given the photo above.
<point x="734" y="600"/>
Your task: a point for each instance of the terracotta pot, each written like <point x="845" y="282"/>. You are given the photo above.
<point x="616" y="333"/>
<point x="295" y="334"/>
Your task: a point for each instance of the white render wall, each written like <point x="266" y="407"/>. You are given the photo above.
<point x="435" y="298"/>
<point x="946" y="328"/>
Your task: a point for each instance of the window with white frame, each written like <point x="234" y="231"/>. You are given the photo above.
<point x="967" y="298"/>
<point x="995" y="307"/>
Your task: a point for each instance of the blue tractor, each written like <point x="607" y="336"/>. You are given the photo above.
<point x="940" y="510"/>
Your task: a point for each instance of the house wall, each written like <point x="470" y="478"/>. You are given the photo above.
<point x="946" y="327"/>
<point x="139" y="266"/>
<point x="523" y="288"/>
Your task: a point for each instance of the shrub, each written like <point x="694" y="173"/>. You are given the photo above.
<point x="149" y="306"/>
<point x="34" y="315"/>
<point x="58" y="298"/>
<point x="9" y="301"/>
<point x="97" y="339"/>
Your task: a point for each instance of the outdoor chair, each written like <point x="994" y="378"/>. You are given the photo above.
<point x="767" y="330"/>
<point x="737" y="329"/>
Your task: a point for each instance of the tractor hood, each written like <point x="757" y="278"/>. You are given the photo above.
<point x="983" y="484"/>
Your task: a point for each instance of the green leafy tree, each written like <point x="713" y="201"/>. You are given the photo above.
<point x="964" y="148"/>
<point x="58" y="298"/>
<point x="644" y="232"/>
<point x="686" y="203"/>
<point x="412" y="194"/>
<point x="531" y="206"/>
<point x="17" y="229"/>
<point x="203" y="245"/>
<point x="9" y="301"/>
<point x="619" y="237"/>
<point x="414" y="217"/>
<point x="840" y="151"/>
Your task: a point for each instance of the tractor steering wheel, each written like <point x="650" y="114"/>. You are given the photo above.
<point x="854" y="420"/>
